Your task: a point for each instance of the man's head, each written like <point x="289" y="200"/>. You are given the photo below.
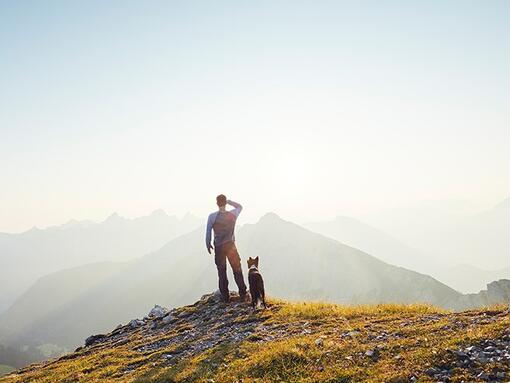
<point x="221" y="200"/>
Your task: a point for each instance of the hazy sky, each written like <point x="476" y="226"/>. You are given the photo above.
<point x="307" y="108"/>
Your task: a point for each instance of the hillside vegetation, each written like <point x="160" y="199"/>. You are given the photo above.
<point x="211" y="341"/>
<point x="5" y="369"/>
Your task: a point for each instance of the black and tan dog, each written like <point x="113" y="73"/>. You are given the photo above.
<point x="257" y="291"/>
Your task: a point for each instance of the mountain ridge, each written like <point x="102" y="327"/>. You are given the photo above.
<point x="32" y="254"/>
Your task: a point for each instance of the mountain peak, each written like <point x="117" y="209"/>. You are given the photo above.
<point x="73" y="223"/>
<point x="270" y="217"/>
<point x="159" y="213"/>
<point x="34" y="229"/>
<point x="114" y="217"/>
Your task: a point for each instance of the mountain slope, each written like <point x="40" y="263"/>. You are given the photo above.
<point x="296" y="264"/>
<point x="324" y="343"/>
<point x="470" y="279"/>
<point x="305" y="265"/>
<point x="464" y="278"/>
<point x="28" y="256"/>
<point x="453" y="236"/>
<point x="47" y="296"/>
<point x="355" y="233"/>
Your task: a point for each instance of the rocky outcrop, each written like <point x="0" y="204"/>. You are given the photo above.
<point x="157" y="312"/>
<point x="498" y="292"/>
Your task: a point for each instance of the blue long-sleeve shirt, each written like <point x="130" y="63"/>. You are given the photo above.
<point x="223" y="224"/>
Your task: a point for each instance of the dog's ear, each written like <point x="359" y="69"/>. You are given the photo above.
<point x="257" y="261"/>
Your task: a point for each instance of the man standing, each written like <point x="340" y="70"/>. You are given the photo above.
<point x="223" y="223"/>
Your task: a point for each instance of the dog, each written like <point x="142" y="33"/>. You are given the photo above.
<point x="256" y="282"/>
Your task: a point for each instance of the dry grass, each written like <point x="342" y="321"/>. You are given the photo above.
<point x="417" y="337"/>
<point x="316" y="310"/>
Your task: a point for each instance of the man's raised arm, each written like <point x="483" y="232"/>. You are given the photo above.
<point x="237" y="207"/>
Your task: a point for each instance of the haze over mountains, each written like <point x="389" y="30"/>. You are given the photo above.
<point x="353" y="232"/>
<point x="464" y="250"/>
<point x="63" y="308"/>
<point x="452" y="233"/>
<point x="30" y="255"/>
<point x="69" y="281"/>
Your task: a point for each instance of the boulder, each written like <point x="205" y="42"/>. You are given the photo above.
<point x="168" y="318"/>
<point x="136" y="323"/>
<point x="157" y="312"/>
<point x="94" y="339"/>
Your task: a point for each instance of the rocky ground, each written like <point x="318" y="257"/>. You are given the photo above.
<point x="215" y="342"/>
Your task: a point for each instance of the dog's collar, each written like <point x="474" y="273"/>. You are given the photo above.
<point x="253" y="267"/>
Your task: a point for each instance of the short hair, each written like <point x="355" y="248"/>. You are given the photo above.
<point x="221" y="200"/>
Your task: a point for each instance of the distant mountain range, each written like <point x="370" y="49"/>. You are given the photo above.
<point x="63" y="308"/>
<point x="470" y="279"/>
<point x="30" y="255"/>
<point x="360" y="235"/>
<point x="435" y="242"/>
<point x="452" y="236"/>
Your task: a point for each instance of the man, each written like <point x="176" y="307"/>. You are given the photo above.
<point x="223" y="223"/>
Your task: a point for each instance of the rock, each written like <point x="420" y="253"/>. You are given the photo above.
<point x="432" y="371"/>
<point x="217" y="296"/>
<point x="319" y="342"/>
<point x="498" y="291"/>
<point x="168" y="318"/>
<point x="460" y="354"/>
<point x="94" y="339"/>
<point x="157" y="312"/>
<point x="136" y="323"/>
<point x="372" y="353"/>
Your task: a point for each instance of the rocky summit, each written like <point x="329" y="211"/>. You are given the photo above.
<point x="211" y="341"/>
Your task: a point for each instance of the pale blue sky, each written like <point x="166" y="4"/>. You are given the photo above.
<point x="306" y="108"/>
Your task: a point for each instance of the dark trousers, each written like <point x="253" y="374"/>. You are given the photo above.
<point x="221" y="254"/>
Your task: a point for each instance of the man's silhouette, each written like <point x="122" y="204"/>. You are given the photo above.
<point x="223" y="223"/>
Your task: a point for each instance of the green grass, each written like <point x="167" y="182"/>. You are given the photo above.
<point x="5" y="369"/>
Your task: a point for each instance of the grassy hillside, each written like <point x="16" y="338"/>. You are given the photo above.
<point x="292" y="342"/>
<point x="5" y="369"/>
